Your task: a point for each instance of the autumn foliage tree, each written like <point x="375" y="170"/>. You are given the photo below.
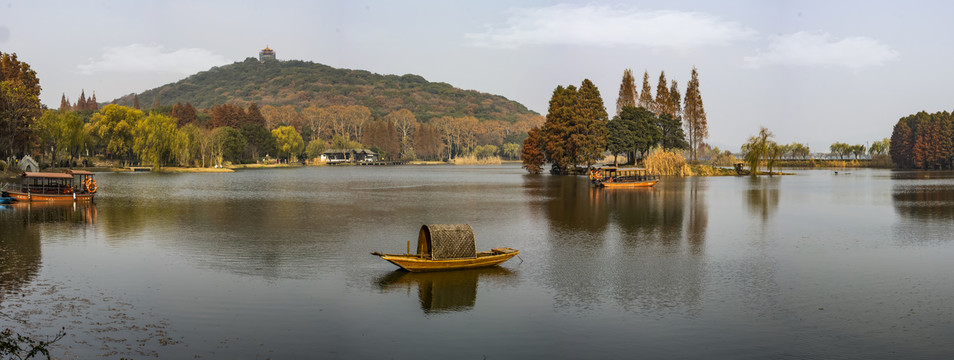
<point x="627" y="91"/>
<point x="532" y="152"/>
<point x="694" y="115"/>
<point x="19" y="103"/>
<point x="923" y="141"/>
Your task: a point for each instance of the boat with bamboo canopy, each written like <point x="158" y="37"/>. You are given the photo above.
<point x="442" y="247"/>
<point x="611" y="177"/>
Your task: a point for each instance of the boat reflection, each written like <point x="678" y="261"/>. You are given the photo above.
<point x="446" y="291"/>
<point x="52" y="212"/>
<point x="20" y="255"/>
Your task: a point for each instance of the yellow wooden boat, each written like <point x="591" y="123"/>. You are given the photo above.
<point x="443" y="247"/>
<point x="612" y="177"/>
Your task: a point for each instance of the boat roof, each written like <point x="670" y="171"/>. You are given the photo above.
<point x="46" y="175"/>
<point x="447" y="241"/>
<point x="77" y="172"/>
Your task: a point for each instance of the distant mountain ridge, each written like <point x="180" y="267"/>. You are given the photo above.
<point x="304" y="83"/>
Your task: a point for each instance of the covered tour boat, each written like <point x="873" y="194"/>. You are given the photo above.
<point x="612" y="177"/>
<point x="69" y="185"/>
<point x="447" y="247"/>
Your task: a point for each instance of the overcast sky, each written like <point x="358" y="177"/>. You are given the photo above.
<point x="815" y="72"/>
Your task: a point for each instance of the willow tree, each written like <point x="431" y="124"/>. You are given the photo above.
<point x="694" y="115"/>
<point x="760" y="148"/>
<point x="155" y="138"/>
<point x="288" y="142"/>
<point x="113" y="128"/>
<point x="627" y="91"/>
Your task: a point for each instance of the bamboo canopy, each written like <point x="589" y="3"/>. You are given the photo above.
<point x="446" y="241"/>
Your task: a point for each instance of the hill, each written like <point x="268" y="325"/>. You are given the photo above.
<point x="303" y="83"/>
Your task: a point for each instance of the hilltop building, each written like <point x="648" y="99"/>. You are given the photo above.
<point x="266" y="54"/>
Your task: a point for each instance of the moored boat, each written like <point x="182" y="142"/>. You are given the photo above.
<point x="611" y="177"/>
<point x="447" y="247"/>
<point x="69" y="185"/>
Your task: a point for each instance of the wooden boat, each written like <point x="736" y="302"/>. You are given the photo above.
<point x="611" y="177"/>
<point x="7" y="199"/>
<point x="447" y="247"/>
<point x="69" y="185"/>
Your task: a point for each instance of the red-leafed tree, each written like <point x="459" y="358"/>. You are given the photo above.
<point x="532" y="153"/>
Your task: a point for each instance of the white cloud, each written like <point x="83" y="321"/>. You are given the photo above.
<point x="139" y="58"/>
<point x="607" y="26"/>
<point x="815" y="49"/>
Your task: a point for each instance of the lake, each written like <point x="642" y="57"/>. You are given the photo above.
<point x="262" y="264"/>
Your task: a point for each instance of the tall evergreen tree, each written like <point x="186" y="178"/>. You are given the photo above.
<point x="157" y="102"/>
<point x="136" y="101"/>
<point x="646" y="97"/>
<point x="662" y="105"/>
<point x="627" y="91"/>
<point x="694" y="115"/>
<point x="93" y="105"/>
<point x="590" y="128"/>
<point x="556" y="131"/>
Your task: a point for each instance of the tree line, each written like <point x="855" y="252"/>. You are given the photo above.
<point x="924" y="141"/>
<point x="186" y="136"/>
<point x="577" y="131"/>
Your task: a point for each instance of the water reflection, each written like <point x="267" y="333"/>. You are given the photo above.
<point x="652" y="240"/>
<point x="448" y="291"/>
<point x="924" y="195"/>
<point x="20" y="223"/>
<point x="761" y="195"/>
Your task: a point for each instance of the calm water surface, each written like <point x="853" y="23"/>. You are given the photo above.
<point x="275" y="264"/>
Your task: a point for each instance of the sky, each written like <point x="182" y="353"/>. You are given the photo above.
<point x="814" y="72"/>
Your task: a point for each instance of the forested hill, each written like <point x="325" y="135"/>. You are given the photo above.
<point x="303" y="83"/>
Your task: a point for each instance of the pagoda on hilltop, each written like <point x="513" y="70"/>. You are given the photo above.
<point x="266" y="54"/>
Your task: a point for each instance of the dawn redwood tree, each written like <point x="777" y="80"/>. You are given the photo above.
<point x="662" y="104"/>
<point x="428" y="143"/>
<point x="532" y="152"/>
<point x="627" y="91"/>
<point x="65" y="104"/>
<point x="646" y="96"/>
<point x="675" y="101"/>
<point x="694" y="115"/>
<point x="253" y="115"/>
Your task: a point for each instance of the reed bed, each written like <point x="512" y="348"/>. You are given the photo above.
<point x="473" y="160"/>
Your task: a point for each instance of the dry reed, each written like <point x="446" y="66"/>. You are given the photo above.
<point x="473" y="160"/>
<point x="665" y="162"/>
